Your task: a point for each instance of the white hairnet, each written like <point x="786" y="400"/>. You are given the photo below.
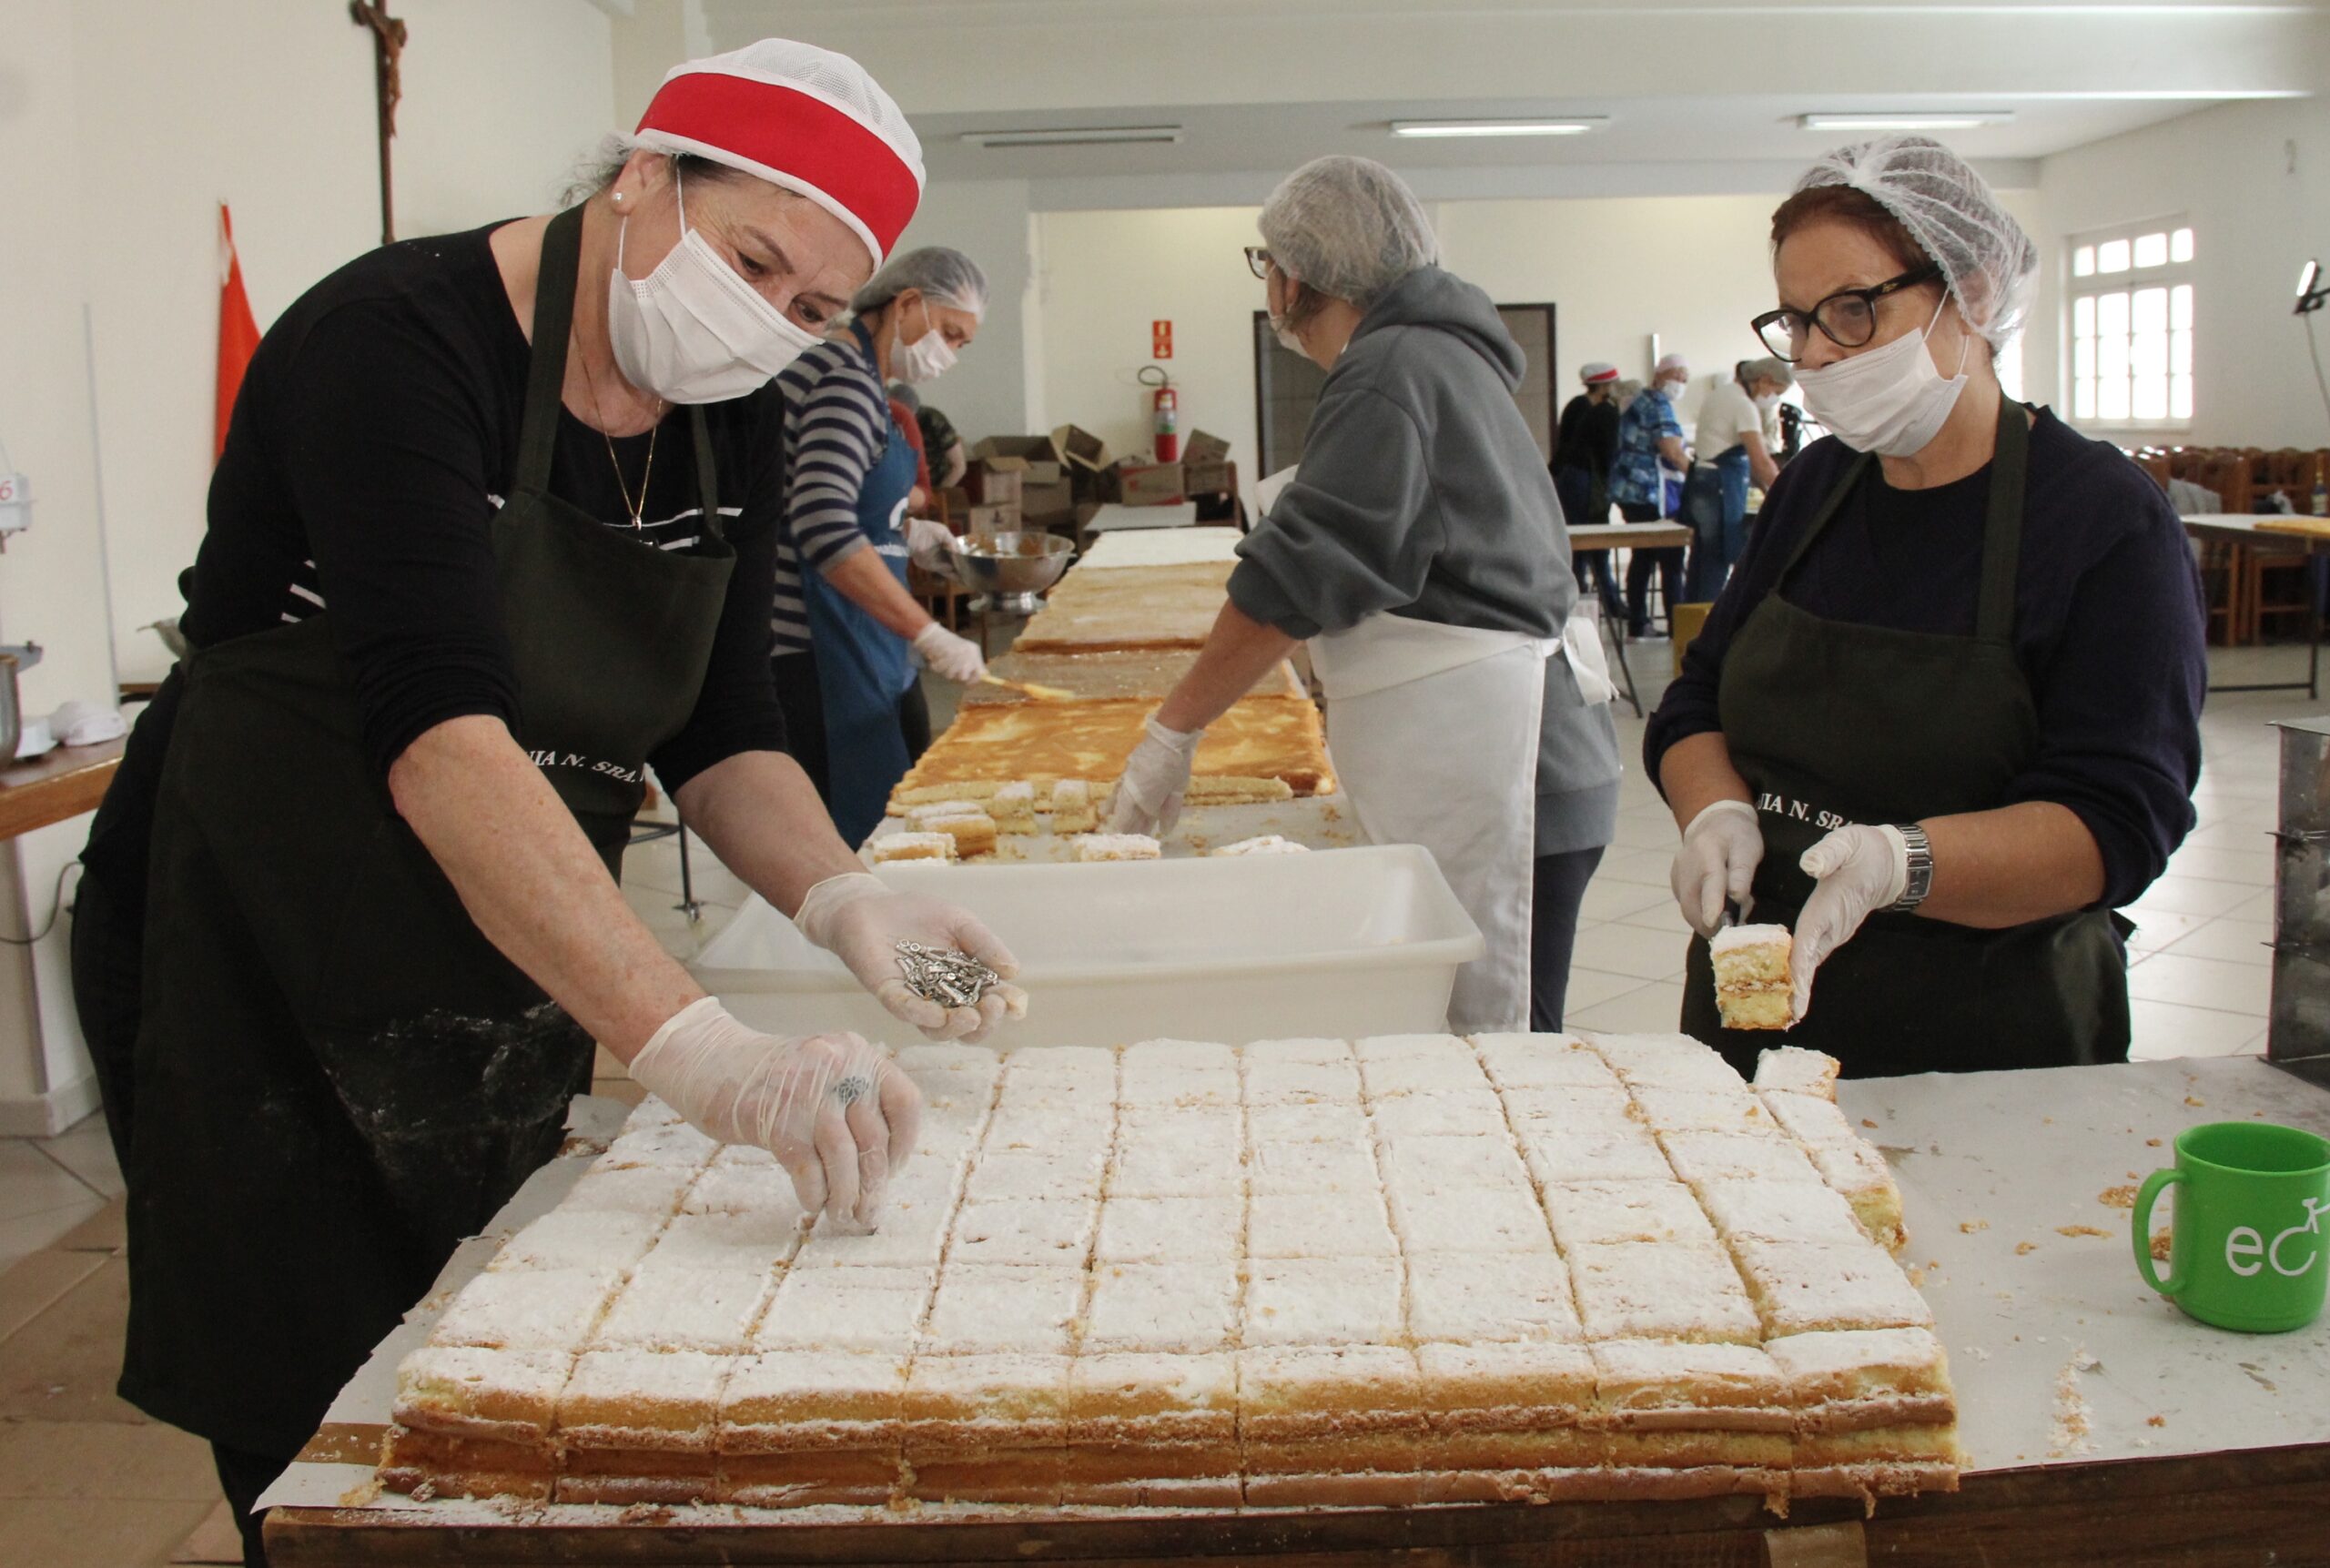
<point x="945" y="277"/>
<point x="1348" y="226"/>
<point x="1770" y="368"/>
<point x="1991" y="264"/>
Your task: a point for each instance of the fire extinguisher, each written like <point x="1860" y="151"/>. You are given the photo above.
<point x="1165" y="412"/>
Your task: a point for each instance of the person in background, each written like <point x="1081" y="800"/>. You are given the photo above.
<point x="1625" y="393"/>
<point x="1420" y="552"/>
<point x="1732" y="455"/>
<point x="905" y="410"/>
<point x="1650" y="446"/>
<point x="1586" y="444"/>
<point x="1946" y="718"/>
<point x="846" y="631"/>
<point x="948" y="462"/>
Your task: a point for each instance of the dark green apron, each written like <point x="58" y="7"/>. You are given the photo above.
<point x="1831" y="723"/>
<point x="337" y="1077"/>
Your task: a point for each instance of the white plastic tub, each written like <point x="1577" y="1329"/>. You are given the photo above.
<point x="1344" y="942"/>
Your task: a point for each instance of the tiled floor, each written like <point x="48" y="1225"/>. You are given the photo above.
<point x="85" y="1481"/>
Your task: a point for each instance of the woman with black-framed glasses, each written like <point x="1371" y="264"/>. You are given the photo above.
<point x="1944" y="719"/>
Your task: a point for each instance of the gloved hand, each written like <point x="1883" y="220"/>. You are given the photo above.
<point x="838" y="1112"/>
<point x="1716" y="860"/>
<point x="1147" y="799"/>
<point x="1858" y="870"/>
<point x="931" y="544"/>
<point x="958" y="659"/>
<point x="861" y="921"/>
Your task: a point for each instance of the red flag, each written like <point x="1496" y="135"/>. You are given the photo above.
<point x="238" y="332"/>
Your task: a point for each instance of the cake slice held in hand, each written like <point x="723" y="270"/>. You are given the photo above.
<point x="1751" y="984"/>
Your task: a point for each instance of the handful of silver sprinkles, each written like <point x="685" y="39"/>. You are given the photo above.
<point x="940" y="975"/>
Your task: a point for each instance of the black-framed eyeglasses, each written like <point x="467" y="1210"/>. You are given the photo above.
<point x="1258" y="260"/>
<point x="1846" y="317"/>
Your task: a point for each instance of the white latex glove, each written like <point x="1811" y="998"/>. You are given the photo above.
<point x="1147" y="799"/>
<point x="838" y="1112"/>
<point x="958" y="659"/>
<point x="1859" y="870"/>
<point x="861" y="921"/>
<point x="1716" y="860"/>
<point x="931" y="544"/>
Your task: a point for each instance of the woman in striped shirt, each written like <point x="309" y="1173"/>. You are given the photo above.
<point x="846" y="631"/>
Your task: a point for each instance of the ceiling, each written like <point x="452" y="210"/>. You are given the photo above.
<point x="1696" y="96"/>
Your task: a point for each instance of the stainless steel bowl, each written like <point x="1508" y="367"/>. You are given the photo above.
<point x="1012" y="569"/>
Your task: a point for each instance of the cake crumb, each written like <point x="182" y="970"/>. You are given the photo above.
<point x="2160" y="1245"/>
<point x="2020" y="1248"/>
<point x="2080" y="1230"/>
<point x="2117" y="1197"/>
<point x="2196" y="1102"/>
<point x="2155" y="1420"/>
<point x="1869" y="1121"/>
<point x="1970" y="1225"/>
<point x="2152" y="1143"/>
<point x="2071" y="1427"/>
<point x="1917" y="1275"/>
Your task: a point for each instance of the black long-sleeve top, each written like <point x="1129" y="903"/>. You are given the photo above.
<point x="2109" y="624"/>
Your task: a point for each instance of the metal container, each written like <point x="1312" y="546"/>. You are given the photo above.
<point x="2297" y="1035"/>
<point x="1012" y="569"/>
<point x="12" y="718"/>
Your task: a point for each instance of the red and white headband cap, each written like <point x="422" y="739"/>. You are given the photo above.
<point x="798" y="116"/>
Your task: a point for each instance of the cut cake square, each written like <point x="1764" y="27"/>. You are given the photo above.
<point x="686" y="1309"/>
<point x="1348" y="1224"/>
<point x="1169" y="1230"/>
<point x="1429" y="1162"/>
<point x="1586" y="1212"/>
<point x="527" y="1310"/>
<point x="1013" y="807"/>
<point x="894" y="848"/>
<point x="570" y="1239"/>
<point x="1668" y="1290"/>
<point x="1323" y="1301"/>
<point x="1188" y="1307"/>
<point x="1792" y="1070"/>
<point x="1666" y="1061"/>
<point x="1003" y="1307"/>
<point x="1486" y="1297"/>
<point x="1469" y="1220"/>
<point x="1093" y="848"/>
<point x="1752" y="1210"/>
<point x="1044" y="1230"/>
<point x="1281" y="1169"/>
<point x="1751" y="981"/>
<point x="1071" y="806"/>
<point x="632" y="1400"/>
<point x="1543" y="1061"/>
<point x="1803" y="1286"/>
<point x="507" y="1395"/>
<point x="870" y="1312"/>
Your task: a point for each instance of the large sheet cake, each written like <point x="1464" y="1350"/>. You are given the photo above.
<point x="1406" y="1270"/>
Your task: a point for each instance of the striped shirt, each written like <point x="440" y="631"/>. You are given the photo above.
<point x="836" y="425"/>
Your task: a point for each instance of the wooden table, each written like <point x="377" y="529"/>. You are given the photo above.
<point x="1626" y="536"/>
<point x="56" y="788"/>
<point x="2236" y="1469"/>
<point x="2241" y="529"/>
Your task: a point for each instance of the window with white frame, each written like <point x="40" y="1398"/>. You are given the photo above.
<point x="2132" y="325"/>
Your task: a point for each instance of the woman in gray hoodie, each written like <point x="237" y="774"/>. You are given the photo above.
<point x="1420" y="552"/>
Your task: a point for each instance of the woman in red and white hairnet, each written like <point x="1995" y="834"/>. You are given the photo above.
<point x="491" y="536"/>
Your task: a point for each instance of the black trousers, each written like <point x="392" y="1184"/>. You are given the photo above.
<point x="804" y="716"/>
<point x="1560" y="889"/>
<point x="242" y="1476"/>
<point x="1668" y="564"/>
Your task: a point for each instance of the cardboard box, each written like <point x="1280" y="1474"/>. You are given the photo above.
<point x="1205" y="469"/>
<point x="1201" y="448"/>
<point x="1044" y="504"/>
<point x="1148" y="484"/>
<point x="1080" y="449"/>
<point x="1044" y="464"/>
<point x="996" y="480"/>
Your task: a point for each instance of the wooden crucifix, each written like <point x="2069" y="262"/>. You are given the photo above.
<point x="388" y="54"/>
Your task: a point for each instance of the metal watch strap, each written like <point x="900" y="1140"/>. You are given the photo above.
<point x="1920" y="879"/>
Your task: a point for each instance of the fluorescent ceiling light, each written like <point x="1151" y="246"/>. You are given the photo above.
<point x="1938" y="120"/>
<point x="1074" y="137"/>
<point x="1568" y="128"/>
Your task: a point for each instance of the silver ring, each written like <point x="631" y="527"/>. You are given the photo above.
<point x="851" y="1089"/>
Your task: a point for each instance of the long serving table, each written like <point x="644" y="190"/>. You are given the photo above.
<point x="2241" y="528"/>
<point x="2103" y="1426"/>
<point x="1626" y="536"/>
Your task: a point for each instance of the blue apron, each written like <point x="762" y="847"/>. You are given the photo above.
<point x="864" y="668"/>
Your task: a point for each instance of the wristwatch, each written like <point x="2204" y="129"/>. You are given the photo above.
<point x="1920" y="882"/>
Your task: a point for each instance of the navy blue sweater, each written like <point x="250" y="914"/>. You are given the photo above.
<point x="2109" y="624"/>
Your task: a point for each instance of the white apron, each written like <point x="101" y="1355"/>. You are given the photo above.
<point x="1434" y="730"/>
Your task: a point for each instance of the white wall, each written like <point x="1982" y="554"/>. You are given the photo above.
<point x="2254" y="181"/>
<point x="986" y="393"/>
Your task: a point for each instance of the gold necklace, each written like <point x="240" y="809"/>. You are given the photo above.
<point x="640" y="506"/>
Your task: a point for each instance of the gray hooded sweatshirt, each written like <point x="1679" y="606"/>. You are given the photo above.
<point x="1421" y="493"/>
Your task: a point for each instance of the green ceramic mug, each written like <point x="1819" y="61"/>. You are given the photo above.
<point x="2252" y="1226"/>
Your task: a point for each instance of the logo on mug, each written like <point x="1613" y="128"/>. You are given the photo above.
<point x="2247" y="1252"/>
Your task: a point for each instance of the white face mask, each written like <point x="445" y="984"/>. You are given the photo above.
<point x="1767" y="403"/>
<point x="1891" y="400"/>
<point x="1674" y="389"/>
<point x="926" y="358"/>
<point x="693" y="331"/>
<point x="1280" y="327"/>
